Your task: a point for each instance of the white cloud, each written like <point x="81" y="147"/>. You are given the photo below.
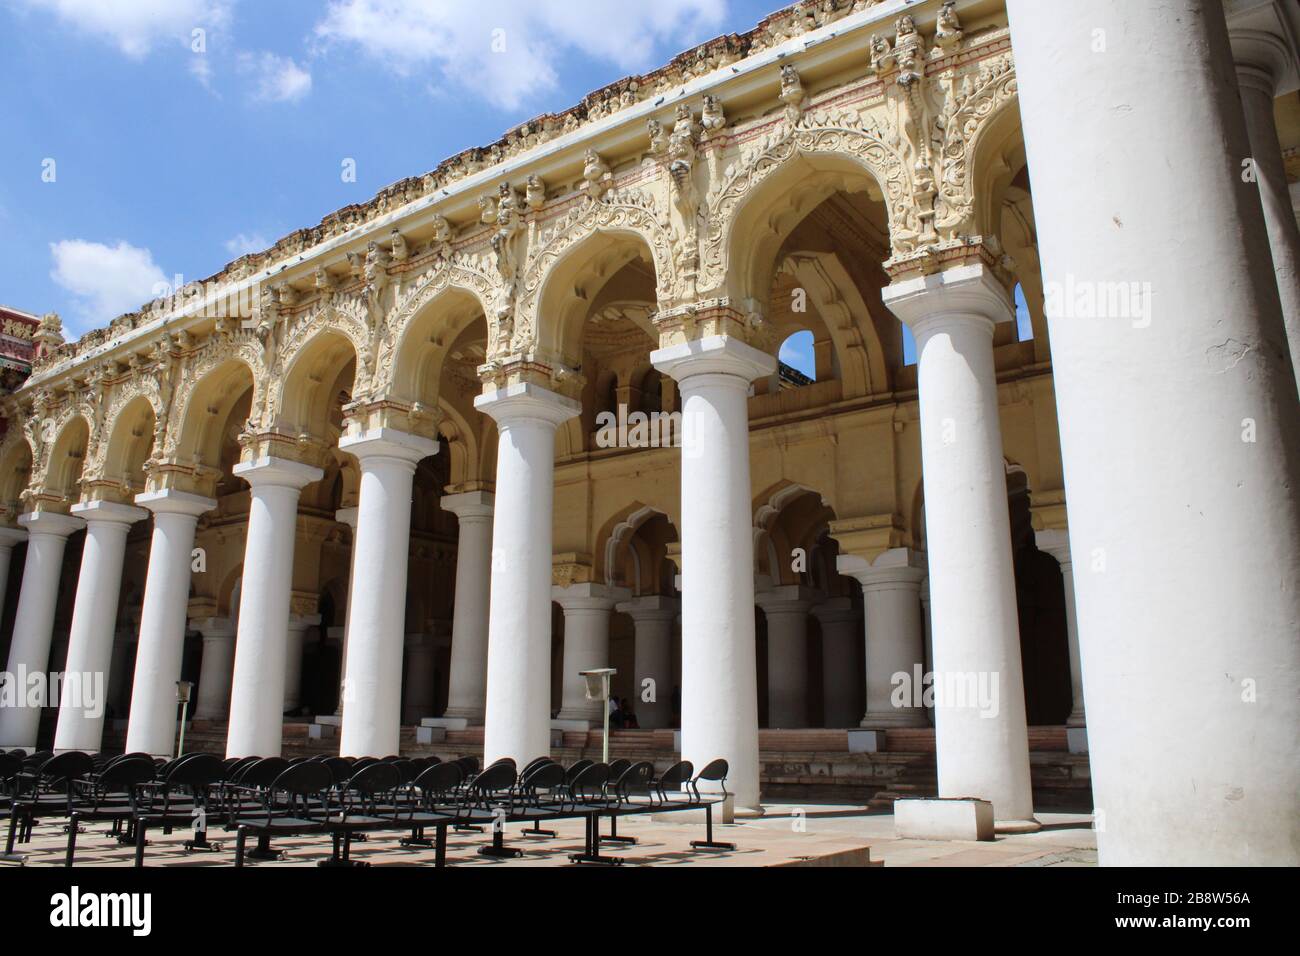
<point x="136" y="26"/>
<point x="507" y="51"/>
<point x="105" y="281"/>
<point x="242" y="245"/>
<point x="278" y="79"/>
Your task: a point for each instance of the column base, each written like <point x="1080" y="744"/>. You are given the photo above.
<point x="866" y="741"/>
<point x="1076" y="739"/>
<point x="447" y="723"/>
<point x="944" y="819"/>
<point x="1017" y="826"/>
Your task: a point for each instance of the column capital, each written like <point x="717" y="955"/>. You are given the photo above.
<point x="952" y="297"/>
<point x="651" y="607"/>
<point x="469" y="504"/>
<point x="525" y="402"/>
<point x="713" y="355"/>
<point x="897" y="566"/>
<point x="108" y="512"/>
<point x="1264" y="43"/>
<point x="787" y="597"/>
<point x="1056" y="542"/>
<point x="50" y="522"/>
<point x="213" y="628"/>
<point x="388" y="443"/>
<point x="281" y="472"/>
<point x="175" y="502"/>
<point x="837" y="610"/>
<point x="9" y="537"/>
<point x="592" y="597"/>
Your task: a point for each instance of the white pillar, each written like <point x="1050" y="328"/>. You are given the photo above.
<point x="418" y="687"/>
<point x="83" y="698"/>
<point x="786" y="609"/>
<point x="1056" y="542"/>
<point x="216" y="669"/>
<point x="517" y="721"/>
<point x="895" y="635"/>
<point x="262" y="636"/>
<point x="586" y="647"/>
<point x="296" y="634"/>
<point x="981" y="741"/>
<point x="151" y="727"/>
<point x="372" y="718"/>
<point x="9" y="537"/>
<point x="467" y="683"/>
<point x="719" y="672"/>
<point x="1188" y="554"/>
<point x="653" y="617"/>
<point x="347" y="516"/>
<point x="840" y="675"/>
<point x="29" y="652"/>
<point x="1262" y="60"/>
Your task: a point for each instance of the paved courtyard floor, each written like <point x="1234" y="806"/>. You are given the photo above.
<point x="789" y="834"/>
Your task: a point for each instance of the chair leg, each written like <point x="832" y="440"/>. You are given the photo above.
<point x="591" y="852"/>
<point x="72" y="841"/>
<point x="239" y="846"/>
<point x="440" y="847"/>
<point x="140" y="830"/>
<point x="708" y="843"/>
<point x="498" y="846"/>
<point x="613" y="837"/>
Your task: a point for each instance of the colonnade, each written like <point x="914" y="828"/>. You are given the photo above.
<point x="1191" y="569"/>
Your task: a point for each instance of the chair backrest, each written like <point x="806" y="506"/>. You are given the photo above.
<point x="496" y="778"/>
<point x="34" y="760"/>
<point x="68" y="765"/>
<point x="202" y="771"/>
<point x="507" y="762"/>
<point x="360" y="762"/>
<point x="714" y="771"/>
<point x="616" y="767"/>
<point x="303" y="779"/>
<point x="533" y="764"/>
<point x="264" y="772"/>
<point x="10" y="766"/>
<point x="238" y="766"/>
<point x="544" y="775"/>
<point x="468" y="765"/>
<point x="675" y="776"/>
<point x="339" y="768"/>
<point x="406" y="769"/>
<point x="376" y="778"/>
<point x="572" y="773"/>
<point x="440" y="779"/>
<point x="636" y="780"/>
<point x="126" y="774"/>
<point x="590" y="781"/>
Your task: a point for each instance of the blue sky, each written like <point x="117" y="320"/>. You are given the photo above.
<point x="137" y="149"/>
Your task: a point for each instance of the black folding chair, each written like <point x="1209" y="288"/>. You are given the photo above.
<point x="358" y="809"/>
<point x="487" y="800"/>
<point x="301" y="784"/>
<point x="435" y="805"/>
<point x="184" y="798"/>
<point x="113" y="795"/>
<point x="46" y="790"/>
<point x="714" y="772"/>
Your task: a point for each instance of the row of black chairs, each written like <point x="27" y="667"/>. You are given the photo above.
<point x="344" y="799"/>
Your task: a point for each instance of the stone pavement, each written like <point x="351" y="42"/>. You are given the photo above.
<point x="788" y="834"/>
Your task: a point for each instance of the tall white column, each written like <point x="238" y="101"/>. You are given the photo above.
<point x="29" y="652"/>
<point x="786" y="608"/>
<point x="296" y="634"/>
<point x="151" y="727"/>
<point x="982" y="743"/>
<point x="9" y="537"/>
<point x="418" y="689"/>
<point x="586" y="647"/>
<point x="895" y="635"/>
<point x="653" y="617"/>
<point x="467" y="683"/>
<point x="719" y="671"/>
<point x="372" y="717"/>
<point x="216" y="668"/>
<point x="1057" y="543"/>
<point x="262" y="636"/>
<point x="840" y="675"/>
<point x="1186" y="597"/>
<point x="517" y="721"/>
<point x="347" y="516"/>
<point x="1263" y="59"/>
<point x="83" y="697"/>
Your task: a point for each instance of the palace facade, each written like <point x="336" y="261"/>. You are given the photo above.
<point x="368" y="476"/>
